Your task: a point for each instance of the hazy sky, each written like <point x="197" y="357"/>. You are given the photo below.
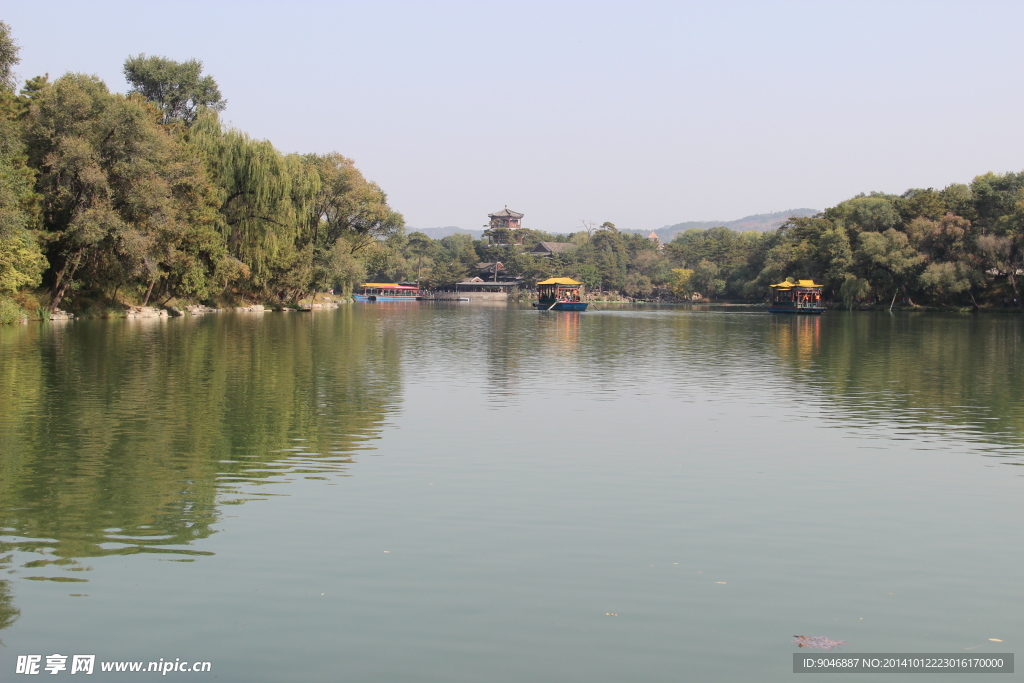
<point x="639" y="113"/>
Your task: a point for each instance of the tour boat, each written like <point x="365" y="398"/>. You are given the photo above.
<point x="802" y="296"/>
<point x="387" y="291"/>
<point x="560" y="294"/>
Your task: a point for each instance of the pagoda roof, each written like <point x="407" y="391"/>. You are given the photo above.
<point x="505" y="213"/>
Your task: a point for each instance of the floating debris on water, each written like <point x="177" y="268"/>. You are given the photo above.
<point x="817" y="642"/>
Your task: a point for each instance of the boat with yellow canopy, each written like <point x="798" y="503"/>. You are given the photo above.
<point x="802" y="296"/>
<point x="560" y="294"/>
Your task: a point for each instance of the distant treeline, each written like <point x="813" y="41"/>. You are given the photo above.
<point x="147" y="198"/>
<point x="960" y="246"/>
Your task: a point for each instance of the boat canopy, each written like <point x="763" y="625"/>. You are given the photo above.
<point x="560" y="281"/>
<point x="387" y="285"/>
<point x="810" y="284"/>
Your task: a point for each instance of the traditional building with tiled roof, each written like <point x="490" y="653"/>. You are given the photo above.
<point x="506" y="219"/>
<point x="551" y="248"/>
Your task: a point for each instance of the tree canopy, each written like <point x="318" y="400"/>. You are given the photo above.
<point x="178" y="88"/>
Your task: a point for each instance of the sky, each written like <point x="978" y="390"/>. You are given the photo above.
<point x="640" y="113"/>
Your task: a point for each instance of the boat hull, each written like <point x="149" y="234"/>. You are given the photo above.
<point x="562" y="306"/>
<point x="801" y="310"/>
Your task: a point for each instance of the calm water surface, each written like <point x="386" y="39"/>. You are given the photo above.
<point x="429" y="493"/>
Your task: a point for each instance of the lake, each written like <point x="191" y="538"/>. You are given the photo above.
<point x="455" y="493"/>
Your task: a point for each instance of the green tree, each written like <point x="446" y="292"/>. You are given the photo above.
<point x="951" y="267"/>
<point x="637" y="285"/>
<point x="263" y="198"/>
<point x="9" y="58"/>
<point x="706" y="279"/>
<point x="34" y="86"/>
<point x="653" y="265"/>
<point x="21" y="260"/>
<point x="421" y="251"/>
<point x="606" y="250"/>
<point x="835" y="256"/>
<point x="121" y="195"/>
<point x="876" y="212"/>
<point x="852" y="289"/>
<point x="1005" y="257"/>
<point x="996" y="199"/>
<point x="178" y="88"/>
<point x="944" y="279"/>
<point x="338" y="268"/>
<point x="889" y="259"/>
<point x="347" y="205"/>
<point x="589" y="275"/>
<point x="681" y="282"/>
<point x="459" y="248"/>
<point x="920" y="204"/>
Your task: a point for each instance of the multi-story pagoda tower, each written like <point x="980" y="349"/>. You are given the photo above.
<point x="503" y="226"/>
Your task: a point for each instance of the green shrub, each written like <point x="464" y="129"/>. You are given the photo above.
<point x="10" y="312"/>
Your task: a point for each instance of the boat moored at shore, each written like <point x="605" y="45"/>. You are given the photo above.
<point x="387" y="291"/>
<point x="802" y="296"/>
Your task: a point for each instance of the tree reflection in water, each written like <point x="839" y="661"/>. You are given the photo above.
<point x="125" y="437"/>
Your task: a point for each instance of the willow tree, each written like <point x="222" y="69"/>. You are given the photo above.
<point x="263" y="197"/>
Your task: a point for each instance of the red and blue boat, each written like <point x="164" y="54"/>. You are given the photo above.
<point x="387" y="291"/>
<point x="560" y="294"/>
<point x="802" y="296"/>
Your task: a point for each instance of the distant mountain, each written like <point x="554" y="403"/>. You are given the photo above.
<point x="762" y="222"/>
<point x="438" y="233"/>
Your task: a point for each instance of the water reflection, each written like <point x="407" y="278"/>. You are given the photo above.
<point x="126" y="437"/>
<point x="797" y="337"/>
<point x="8" y="613"/>
<point x="928" y="374"/>
<point x="130" y="437"/>
<point x="563" y="333"/>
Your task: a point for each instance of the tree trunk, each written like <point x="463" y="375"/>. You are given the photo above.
<point x="64" y="278"/>
<point x="1012" y="277"/>
<point x="149" y="292"/>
